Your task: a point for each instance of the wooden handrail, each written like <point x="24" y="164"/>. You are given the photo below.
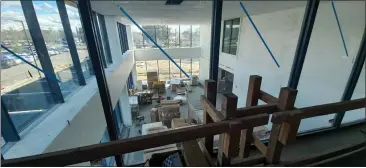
<point x="255" y="110"/>
<point x="97" y="151"/>
<point x="268" y="98"/>
<point x="319" y="110"/>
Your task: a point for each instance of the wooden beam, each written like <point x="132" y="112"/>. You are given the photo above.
<point x="254" y="110"/>
<point x="260" y="145"/>
<point x="229" y="142"/>
<point x="318" y="157"/>
<point x="286" y="101"/>
<point x="207" y="155"/>
<point x="268" y="98"/>
<point x="193" y="156"/>
<point x="319" y="110"/>
<point x="210" y="93"/>
<point x="211" y="110"/>
<point x="288" y="129"/>
<point x="97" y="151"/>
<point x="252" y="100"/>
<point x="246" y="162"/>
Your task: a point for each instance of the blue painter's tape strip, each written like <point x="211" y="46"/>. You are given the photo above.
<point x="156" y="44"/>
<point x="339" y="27"/>
<point x="259" y="34"/>
<point x="21" y="58"/>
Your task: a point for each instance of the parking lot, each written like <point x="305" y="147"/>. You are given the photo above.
<point x="21" y="74"/>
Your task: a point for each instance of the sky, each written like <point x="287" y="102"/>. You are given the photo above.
<point x="46" y="11"/>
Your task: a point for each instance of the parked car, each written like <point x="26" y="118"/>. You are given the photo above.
<point x="66" y="50"/>
<point x="7" y="61"/>
<point x="52" y="52"/>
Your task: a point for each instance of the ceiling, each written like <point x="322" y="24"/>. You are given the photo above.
<point x="188" y="12"/>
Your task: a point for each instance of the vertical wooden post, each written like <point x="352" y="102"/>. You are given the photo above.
<point x="229" y="141"/>
<point x="252" y="100"/>
<point x="210" y="93"/>
<point x="286" y="101"/>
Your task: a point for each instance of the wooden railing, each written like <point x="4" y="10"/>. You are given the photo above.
<point x="233" y="125"/>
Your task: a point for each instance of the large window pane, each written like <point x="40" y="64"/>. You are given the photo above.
<point x="53" y="34"/>
<point x="163" y="70"/>
<point x="185" y="36"/>
<point x="226" y="36"/>
<point x="195" y="35"/>
<point x="24" y="91"/>
<point x="162" y="35"/>
<point x="174" y="70"/>
<point x="141" y="70"/>
<point x="104" y="38"/>
<point x="137" y="37"/>
<point x="234" y="36"/>
<point x="173" y="36"/>
<point x="186" y="66"/>
<point x="151" y="31"/>
<point x="195" y="66"/>
<point x="79" y="37"/>
<point x="99" y="39"/>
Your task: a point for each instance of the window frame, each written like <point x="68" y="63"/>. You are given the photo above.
<point x="230" y="36"/>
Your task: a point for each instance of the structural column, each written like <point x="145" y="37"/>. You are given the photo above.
<point x="303" y="42"/>
<point x="353" y="78"/>
<point x="87" y="21"/>
<point x="70" y="41"/>
<point x="215" y="38"/>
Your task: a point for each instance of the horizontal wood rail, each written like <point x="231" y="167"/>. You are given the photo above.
<point x="318" y="110"/>
<point x="97" y="151"/>
<point x="255" y="110"/>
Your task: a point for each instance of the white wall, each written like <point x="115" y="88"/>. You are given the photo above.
<point x="175" y="53"/>
<point x="325" y="71"/>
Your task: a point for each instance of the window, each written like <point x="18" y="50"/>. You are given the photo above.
<point x="24" y="92"/>
<point x="163" y="70"/>
<point x="162" y="36"/>
<point x="230" y="37"/>
<point x="101" y="42"/>
<point x="151" y="31"/>
<point x="117" y="116"/>
<point x="104" y="38"/>
<point x="137" y="37"/>
<point x="195" y="66"/>
<point x="141" y="70"/>
<point x="173" y="36"/>
<point x="79" y="37"/>
<point x="122" y="37"/>
<point x="186" y="66"/>
<point x="185" y="36"/>
<point x="57" y="47"/>
<point x="195" y="35"/>
<point x="174" y="70"/>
